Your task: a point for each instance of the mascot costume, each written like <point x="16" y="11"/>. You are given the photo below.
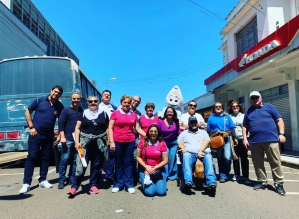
<point x="174" y="99"/>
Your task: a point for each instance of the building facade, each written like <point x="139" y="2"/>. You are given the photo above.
<point x="25" y="32"/>
<point x="260" y="47"/>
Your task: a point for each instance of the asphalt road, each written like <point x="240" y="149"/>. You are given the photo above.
<point x="232" y="200"/>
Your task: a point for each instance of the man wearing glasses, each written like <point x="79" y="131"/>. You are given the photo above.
<point x="191" y="112"/>
<point x="261" y="121"/>
<point x="67" y="123"/>
<point x="136" y="100"/>
<point x="106" y="106"/>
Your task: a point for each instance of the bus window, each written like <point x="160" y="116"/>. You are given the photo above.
<point x="84" y="87"/>
<point x="34" y="76"/>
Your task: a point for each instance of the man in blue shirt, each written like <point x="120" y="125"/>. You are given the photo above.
<point x="194" y="143"/>
<point x="261" y="121"/>
<point x="47" y="109"/>
<point x="67" y="123"/>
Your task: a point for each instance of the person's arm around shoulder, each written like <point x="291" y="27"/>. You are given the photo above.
<point x="181" y="122"/>
<point x="110" y="130"/>
<point x="61" y="126"/>
<point x="77" y="134"/>
<point x="181" y="142"/>
<point x="163" y="149"/>
<point x="139" y="129"/>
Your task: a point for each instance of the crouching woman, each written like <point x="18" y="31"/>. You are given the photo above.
<point x="152" y="158"/>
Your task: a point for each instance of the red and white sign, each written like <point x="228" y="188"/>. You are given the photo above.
<point x="262" y="51"/>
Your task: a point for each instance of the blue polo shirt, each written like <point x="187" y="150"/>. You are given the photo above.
<point x="261" y="123"/>
<point x="68" y="120"/>
<point x="45" y="115"/>
<point x="216" y="123"/>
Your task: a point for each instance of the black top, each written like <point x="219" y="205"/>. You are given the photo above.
<point x="96" y="126"/>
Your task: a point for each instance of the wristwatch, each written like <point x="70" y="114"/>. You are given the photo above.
<point x="282" y="134"/>
<point x="31" y="127"/>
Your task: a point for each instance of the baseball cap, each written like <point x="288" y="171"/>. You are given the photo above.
<point x="192" y="118"/>
<point x="255" y="93"/>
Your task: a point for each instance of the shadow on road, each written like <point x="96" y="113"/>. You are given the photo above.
<point x="15" y="197"/>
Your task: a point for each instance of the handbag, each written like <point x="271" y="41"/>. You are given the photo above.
<point x="199" y="171"/>
<point x="217" y="142"/>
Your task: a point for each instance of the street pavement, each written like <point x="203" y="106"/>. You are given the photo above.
<point x="232" y="200"/>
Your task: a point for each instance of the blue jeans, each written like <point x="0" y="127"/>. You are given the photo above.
<point x="68" y="152"/>
<point x="172" y="167"/>
<point x="224" y="157"/>
<point x="110" y="166"/>
<point x="189" y="160"/>
<point x="123" y="165"/>
<point x="134" y="162"/>
<point x="158" y="187"/>
<point x="95" y="156"/>
<point x="34" y="145"/>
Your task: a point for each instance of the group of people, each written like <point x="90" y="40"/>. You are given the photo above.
<point x="113" y="139"/>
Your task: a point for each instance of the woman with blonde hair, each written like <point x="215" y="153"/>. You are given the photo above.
<point x="220" y="123"/>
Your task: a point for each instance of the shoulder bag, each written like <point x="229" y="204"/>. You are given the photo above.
<point x="218" y="141"/>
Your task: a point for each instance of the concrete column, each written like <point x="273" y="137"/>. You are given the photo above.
<point x="294" y="111"/>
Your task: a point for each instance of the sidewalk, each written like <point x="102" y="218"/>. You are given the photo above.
<point x="288" y="158"/>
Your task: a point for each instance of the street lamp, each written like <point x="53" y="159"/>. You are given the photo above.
<point x="112" y="79"/>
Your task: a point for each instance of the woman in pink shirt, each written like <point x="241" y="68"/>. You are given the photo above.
<point x="152" y="158"/>
<point x="148" y="118"/>
<point x="122" y="141"/>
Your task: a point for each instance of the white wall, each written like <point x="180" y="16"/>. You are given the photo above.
<point x="7" y="3"/>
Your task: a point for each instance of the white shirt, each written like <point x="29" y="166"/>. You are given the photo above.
<point x="185" y="116"/>
<point x="107" y="108"/>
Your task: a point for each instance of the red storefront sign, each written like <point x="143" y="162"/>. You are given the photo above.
<point x="282" y="36"/>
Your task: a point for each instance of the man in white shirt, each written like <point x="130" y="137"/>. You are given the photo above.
<point x="106" y="106"/>
<point x="191" y="112"/>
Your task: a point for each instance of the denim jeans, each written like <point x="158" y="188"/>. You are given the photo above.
<point x="110" y="166"/>
<point x="172" y="167"/>
<point x="189" y="160"/>
<point x="34" y="145"/>
<point x="158" y="187"/>
<point x="95" y="156"/>
<point x="134" y="162"/>
<point x="224" y="157"/>
<point x="68" y="153"/>
<point x="123" y="165"/>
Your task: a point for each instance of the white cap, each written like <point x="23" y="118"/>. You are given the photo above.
<point x="255" y="93"/>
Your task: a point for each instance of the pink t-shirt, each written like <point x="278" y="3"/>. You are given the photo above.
<point x="123" y="130"/>
<point x="146" y="122"/>
<point x="152" y="154"/>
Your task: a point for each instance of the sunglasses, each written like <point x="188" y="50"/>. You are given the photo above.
<point x="93" y="101"/>
<point x="254" y="97"/>
<point x="219" y="107"/>
<point x="193" y="122"/>
<point x="192" y="105"/>
<point x="235" y="107"/>
<point x="76" y="98"/>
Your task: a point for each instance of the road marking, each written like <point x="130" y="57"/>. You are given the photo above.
<point x="287" y="180"/>
<point x="51" y="171"/>
<point x="12" y="174"/>
<point x="2" y="191"/>
<point x="268" y="171"/>
<point x="292" y="193"/>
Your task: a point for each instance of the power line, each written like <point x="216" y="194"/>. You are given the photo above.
<point x="217" y="17"/>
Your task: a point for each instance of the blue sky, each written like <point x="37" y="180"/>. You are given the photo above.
<point x="149" y="46"/>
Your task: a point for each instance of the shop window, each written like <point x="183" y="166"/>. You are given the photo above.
<point x="241" y="100"/>
<point x="247" y="37"/>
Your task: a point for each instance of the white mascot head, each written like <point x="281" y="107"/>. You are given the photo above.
<point x="174" y="99"/>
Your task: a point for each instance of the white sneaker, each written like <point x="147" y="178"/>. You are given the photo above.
<point x="131" y="190"/>
<point x="45" y="184"/>
<point x="25" y="188"/>
<point x="114" y="190"/>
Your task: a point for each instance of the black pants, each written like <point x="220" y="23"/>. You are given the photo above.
<point x="242" y="153"/>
